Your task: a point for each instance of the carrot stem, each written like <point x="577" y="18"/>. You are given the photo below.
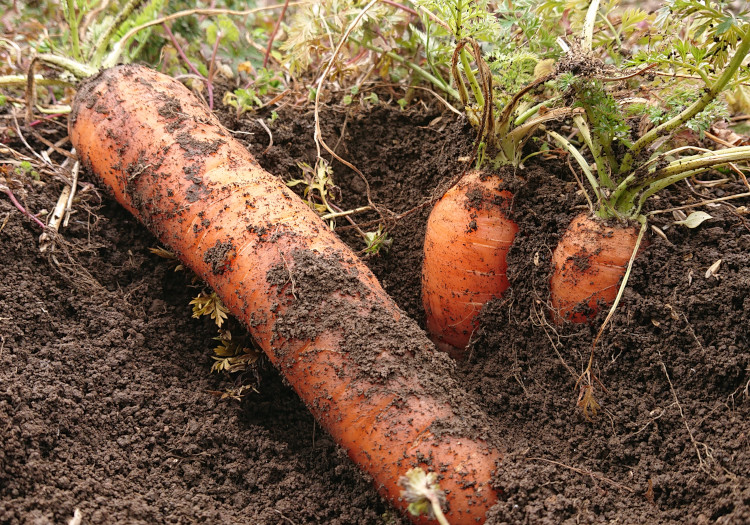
<point x="587" y="34"/>
<point x="601" y="166"/>
<point x="78" y="69"/>
<point x="273" y="33"/>
<point x="703" y="161"/>
<point x="100" y="47"/>
<point x="429" y="77"/>
<point x="73" y="19"/>
<point x="623" y="199"/>
<point x="23" y="210"/>
<point x="7" y="81"/>
<point x="567" y="146"/>
<point x="709" y="94"/>
<point x="463" y="55"/>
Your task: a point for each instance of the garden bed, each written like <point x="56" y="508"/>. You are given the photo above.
<point x="106" y="400"/>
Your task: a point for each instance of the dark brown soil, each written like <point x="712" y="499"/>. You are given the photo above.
<point x="105" y="400"/>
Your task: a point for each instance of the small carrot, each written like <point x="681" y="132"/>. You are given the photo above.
<point x="593" y="253"/>
<point x="468" y="234"/>
<point x="588" y="264"/>
<point x="467" y="238"/>
<point x="365" y="370"/>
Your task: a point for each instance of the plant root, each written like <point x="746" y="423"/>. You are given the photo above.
<point x="586" y="472"/>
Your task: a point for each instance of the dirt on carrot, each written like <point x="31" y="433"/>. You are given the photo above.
<point x="105" y="393"/>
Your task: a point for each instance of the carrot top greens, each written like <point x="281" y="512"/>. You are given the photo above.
<point x="629" y="167"/>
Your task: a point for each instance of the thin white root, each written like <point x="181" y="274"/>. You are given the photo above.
<point x="73" y="186"/>
<point x="46" y="238"/>
<point x="77" y="518"/>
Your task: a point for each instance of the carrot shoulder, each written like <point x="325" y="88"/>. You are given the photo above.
<point x="364" y="369"/>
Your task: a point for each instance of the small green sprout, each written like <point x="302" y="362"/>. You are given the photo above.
<point x="423" y="494"/>
<point x="242" y="100"/>
<point x="320" y="189"/>
<point x="231" y="355"/>
<point x="210" y="304"/>
<point x="376" y="241"/>
<point x="26" y="168"/>
<point x="248" y="98"/>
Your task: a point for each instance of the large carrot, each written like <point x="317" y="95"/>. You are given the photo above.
<point x="466" y="242"/>
<point x="366" y="371"/>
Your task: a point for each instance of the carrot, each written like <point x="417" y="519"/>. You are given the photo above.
<point x="592" y="256"/>
<point x="467" y="238"/>
<point x="468" y="234"/>
<point x="588" y="263"/>
<point x="365" y="370"/>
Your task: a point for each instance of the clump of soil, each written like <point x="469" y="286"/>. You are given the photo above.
<point x="105" y="397"/>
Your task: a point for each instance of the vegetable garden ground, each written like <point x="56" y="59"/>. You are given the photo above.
<point x="105" y="390"/>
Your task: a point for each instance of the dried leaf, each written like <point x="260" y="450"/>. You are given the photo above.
<point x="695" y="219"/>
<point x="713" y="270"/>
<point x="730" y="137"/>
<point x="650" y="491"/>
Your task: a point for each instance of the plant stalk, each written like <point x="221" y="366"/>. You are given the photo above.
<point x="100" y="47"/>
<point x="623" y="198"/>
<point x="8" y="81"/>
<point x="70" y="13"/>
<point x="601" y="166"/>
<point x="429" y="77"/>
<point x="703" y="161"/>
<point x="587" y="33"/>
<point x="567" y="146"/>
<point x="78" y="69"/>
<point x="709" y="94"/>
<point x="472" y="78"/>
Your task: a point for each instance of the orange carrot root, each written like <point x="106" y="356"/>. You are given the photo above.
<point x="364" y="369"/>
<point x="588" y="264"/>
<point x="466" y="242"/>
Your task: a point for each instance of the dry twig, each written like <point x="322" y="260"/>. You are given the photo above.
<point x="585" y="472"/>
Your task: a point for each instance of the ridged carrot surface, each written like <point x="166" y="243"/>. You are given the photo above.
<point x="467" y="239"/>
<point x="365" y="370"/>
<point x="588" y="263"/>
